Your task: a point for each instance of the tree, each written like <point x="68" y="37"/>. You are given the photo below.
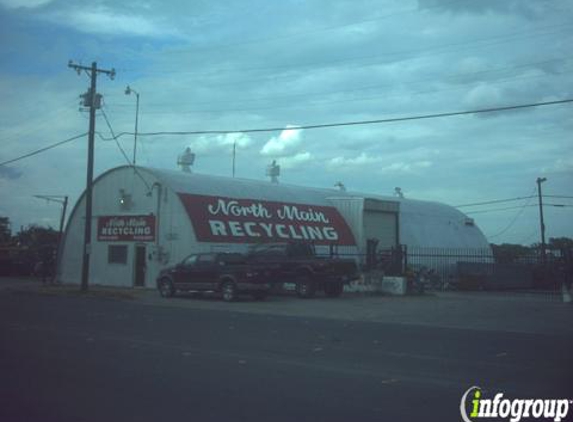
<point x="561" y="243"/>
<point x="37" y="238"/>
<point x="5" y="230"/>
<point x="507" y="252"/>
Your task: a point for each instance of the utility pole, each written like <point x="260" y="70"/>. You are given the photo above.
<point x="64" y="201"/>
<point x="128" y="91"/>
<point x="234" y="155"/>
<point x="92" y="100"/>
<point x="540" y="180"/>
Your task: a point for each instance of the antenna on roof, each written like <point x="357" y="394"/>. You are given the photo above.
<point x="186" y="160"/>
<point x="273" y="171"/>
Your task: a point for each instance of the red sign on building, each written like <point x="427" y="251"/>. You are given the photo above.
<point x="219" y="219"/>
<point x="126" y="228"/>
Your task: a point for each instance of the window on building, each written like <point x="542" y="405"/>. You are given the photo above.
<point x="117" y="254"/>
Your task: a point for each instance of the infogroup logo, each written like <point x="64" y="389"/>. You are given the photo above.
<point x="513" y="409"/>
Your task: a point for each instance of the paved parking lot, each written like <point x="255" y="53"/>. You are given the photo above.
<point x="520" y="312"/>
<point x="124" y="354"/>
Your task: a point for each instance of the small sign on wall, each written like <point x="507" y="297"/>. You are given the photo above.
<point x="126" y="228"/>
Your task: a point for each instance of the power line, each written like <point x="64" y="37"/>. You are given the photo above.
<point x="517" y="207"/>
<point x="308" y="127"/>
<point x="299" y="34"/>
<point x="495" y="201"/>
<point x="417" y="52"/>
<point x="558" y="196"/>
<point x="34" y="124"/>
<point x="518" y="198"/>
<point x="123" y="151"/>
<point x="321" y="102"/>
<point x="115" y="138"/>
<point x="38" y="151"/>
<point x="448" y="77"/>
<point x="91" y="99"/>
<point x="501" y="209"/>
<point x="512" y="222"/>
<point x="527" y="238"/>
<point x="352" y="123"/>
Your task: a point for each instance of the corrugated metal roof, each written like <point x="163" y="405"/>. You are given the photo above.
<point x="202" y="184"/>
<point x="422" y="223"/>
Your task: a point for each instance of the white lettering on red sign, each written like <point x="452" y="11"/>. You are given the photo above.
<point x="217" y="219"/>
<point x="126" y="228"/>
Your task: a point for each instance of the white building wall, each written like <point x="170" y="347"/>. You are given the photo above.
<point x="428" y="224"/>
<point x="421" y="223"/>
<point x="351" y="209"/>
<point x="174" y="240"/>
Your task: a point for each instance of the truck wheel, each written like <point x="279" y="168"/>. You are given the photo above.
<point x="260" y="295"/>
<point x="229" y="291"/>
<point x="334" y="289"/>
<point x="305" y="288"/>
<point x="166" y="288"/>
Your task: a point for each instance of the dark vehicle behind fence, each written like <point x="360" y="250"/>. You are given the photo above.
<point x="297" y="262"/>
<point x="227" y="273"/>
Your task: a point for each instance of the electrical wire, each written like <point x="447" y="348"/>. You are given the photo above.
<point x="415" y="53"/>
<point x="512" y="222"/>
<point x="123" y="151"/>
<point x="519" y="198"/>
<point x="558" y="196"/>
<point x="527" y="238"/>
<point x="278" y="129"/>
<point x="322" y="103"/>
<point x="518" y="207"/>
<point x="499" y="209"/>
<point x="46" y="148"/>
<point x="352" y="123"/>
<point x="447" y="77"/>
<point x="495" y="201"/>
<point x="299" y="34"/>
<point x="35" y="123"/>
<point x="115" y="138"/>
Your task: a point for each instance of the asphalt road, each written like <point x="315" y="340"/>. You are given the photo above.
<point x="85" y="359"/>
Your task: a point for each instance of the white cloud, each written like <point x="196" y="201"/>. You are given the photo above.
<point x="472" y="65"/>
<point x="402" y="167"/>
<point x="483" y="95"/>
<point x="561" y="165"/>
<point x="215" y="77"/>
<point x="296" y="160"/>
<point x="284" y="144"/>
<point x="102" y="20"/>
<point x="220" y="143"/>
<point x="28" y="4"/>
<point x="362" y="160"/>
<point x="343" y="162"/>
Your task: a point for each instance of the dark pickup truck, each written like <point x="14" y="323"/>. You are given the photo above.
<point x="297" y="262"/>
<point x="227" y="273"/>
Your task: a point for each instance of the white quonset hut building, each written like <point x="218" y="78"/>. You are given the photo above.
<point x="145" y="219"/>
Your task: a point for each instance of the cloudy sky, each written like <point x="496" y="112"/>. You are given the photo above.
<point x="228" y="65"/>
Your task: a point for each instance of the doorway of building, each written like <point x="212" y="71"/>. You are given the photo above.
<point x="140" y="266"/>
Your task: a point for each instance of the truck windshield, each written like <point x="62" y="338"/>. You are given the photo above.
<point x="284" y="249"/>
<point x="300" y="250"/>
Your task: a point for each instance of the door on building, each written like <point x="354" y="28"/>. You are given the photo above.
<point x="140" y="266"/>
<point x="382" y="227"/>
